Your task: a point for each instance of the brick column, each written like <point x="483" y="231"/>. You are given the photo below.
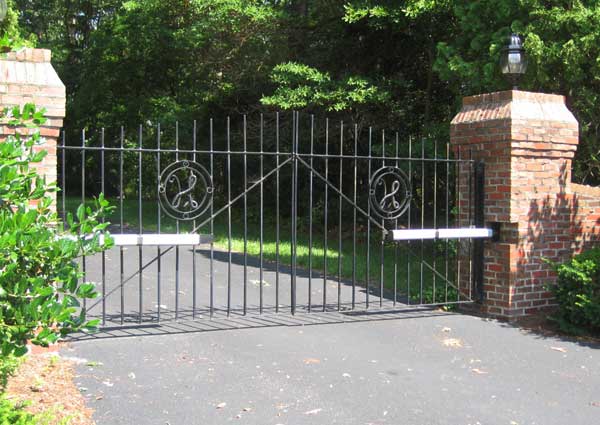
<point x="27" y="76"/>
<point x="527" y="141"/>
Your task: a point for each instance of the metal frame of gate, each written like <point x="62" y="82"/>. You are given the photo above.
<point x="388" y="203"/>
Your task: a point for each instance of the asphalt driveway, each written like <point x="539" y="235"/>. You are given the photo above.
<point x="419" y="367"/>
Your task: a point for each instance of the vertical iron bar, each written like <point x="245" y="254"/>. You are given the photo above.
<point x="368" y="269"/>
<point x="325" y="224"/>
<point x="470" y="210"/>
<point x="294" y="209"/>
<point x="396" y="227"/>
<point x="194" y="226"/>
<point x="158" y="219"/>
<point x="458" y="172"/>
<point x="212" y="225"/>
<point x="310" y="213"/>
<point x="245" y="142"/>
<point x="435" y="182"/>
<point x="121" y="253"/>
<point x="64" y="178"/>
<point x="141" y="229"/>
<point x="103" y="190"/>
<point x="177" y="281"/>
<point x="447" y="219"/>
<point x="277" y="235"/>
<point x="339" y="288"/>
<point x="422" y="271"/>
<point x="229" y="254"/>
<point x="409" y="222"/>
<point x="382" y="243"/>
<point x="354" y="217"/>
<point x="479" y="200"/>
<point x="83" y="259"/>
<point x="261" y="272"/>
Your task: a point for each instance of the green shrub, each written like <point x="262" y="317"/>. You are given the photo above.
<point x="12" y="414"/>
<point x="8" y="366"/>
<point x="578" y="293"/>
<point x="40" y="284"/>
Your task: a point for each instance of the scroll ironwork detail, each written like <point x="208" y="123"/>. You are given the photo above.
<point x="389" y="192"/>
<point x="185" y="190"/>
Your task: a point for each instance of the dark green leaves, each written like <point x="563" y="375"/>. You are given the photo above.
<point x="299" y="86"/>
<point x="40" y="281"/>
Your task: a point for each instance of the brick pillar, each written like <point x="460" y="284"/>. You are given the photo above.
<point x="27" y="76"/>
<point x="527" y="141"/>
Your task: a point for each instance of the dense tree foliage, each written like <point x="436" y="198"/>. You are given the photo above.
<point x="402" y="64"/>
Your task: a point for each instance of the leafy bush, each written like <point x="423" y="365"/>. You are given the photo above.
<point x="40" y="284"/>
<point x="11" y="414"/>
<point x="8" y="366"/>
<point x="578" y="293"/>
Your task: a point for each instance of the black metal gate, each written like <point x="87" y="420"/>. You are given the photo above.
<point x="278" y="214"/>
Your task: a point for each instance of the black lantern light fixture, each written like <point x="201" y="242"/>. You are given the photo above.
<point x="513" y="61"/>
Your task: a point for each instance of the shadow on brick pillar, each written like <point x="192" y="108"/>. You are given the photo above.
<point x="527" y="141"/>
<point x="28" y="77"/>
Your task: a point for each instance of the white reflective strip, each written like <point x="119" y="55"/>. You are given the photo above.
<point x="464" y="233"/>
<point x="407" y="235"/>
<point x="155" y="239"/>
<point x="461" y="233"/>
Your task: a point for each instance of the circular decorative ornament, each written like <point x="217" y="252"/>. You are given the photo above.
<point x="185" y="190"/>
<point x="389" y="192"/>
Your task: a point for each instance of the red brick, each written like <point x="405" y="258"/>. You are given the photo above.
<point x="528" y="188"/>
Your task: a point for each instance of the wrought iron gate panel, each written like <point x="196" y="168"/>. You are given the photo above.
<point x="294" y="216"/>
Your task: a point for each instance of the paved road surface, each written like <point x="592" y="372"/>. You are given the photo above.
<point x="420" y="367"/>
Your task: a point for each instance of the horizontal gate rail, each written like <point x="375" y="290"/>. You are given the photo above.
<point x="455" y="233"/>
<point x="162" y="239"/>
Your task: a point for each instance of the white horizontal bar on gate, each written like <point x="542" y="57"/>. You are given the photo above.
<point x="160" y="239"/>
<point x="410" y="234"/>
<point x="466" y="232"/>
<point x="460" y="233"/>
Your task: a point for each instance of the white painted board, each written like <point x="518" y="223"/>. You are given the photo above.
<point x="460" y="233"/>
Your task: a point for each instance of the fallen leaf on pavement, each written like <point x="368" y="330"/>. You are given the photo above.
<point x="446" y="329"/>
<point x="313" y="412"/>
<point x="479" y="371"/>
<point x="562" y="350"/>
<point x="247" y="409"/>
<point x="221" y="405"/>
<point x="258" y="282"/>
<point x="452" y="342"/>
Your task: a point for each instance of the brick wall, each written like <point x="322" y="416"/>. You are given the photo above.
<point x="27" y="76"/>
<point x="527" y="141"/>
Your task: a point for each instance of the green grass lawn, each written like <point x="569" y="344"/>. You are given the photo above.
<point x="396" y="257"/>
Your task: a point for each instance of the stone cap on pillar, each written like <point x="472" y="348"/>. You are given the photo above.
<point x="27" y="76"/>
<point x="527" y="141"/>
<point x="533" y="123"/>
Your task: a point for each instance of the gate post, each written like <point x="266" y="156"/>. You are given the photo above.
<point x="479" y="221"/>
<point x="527" y="141"/>
<point x="28" y="77"/>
